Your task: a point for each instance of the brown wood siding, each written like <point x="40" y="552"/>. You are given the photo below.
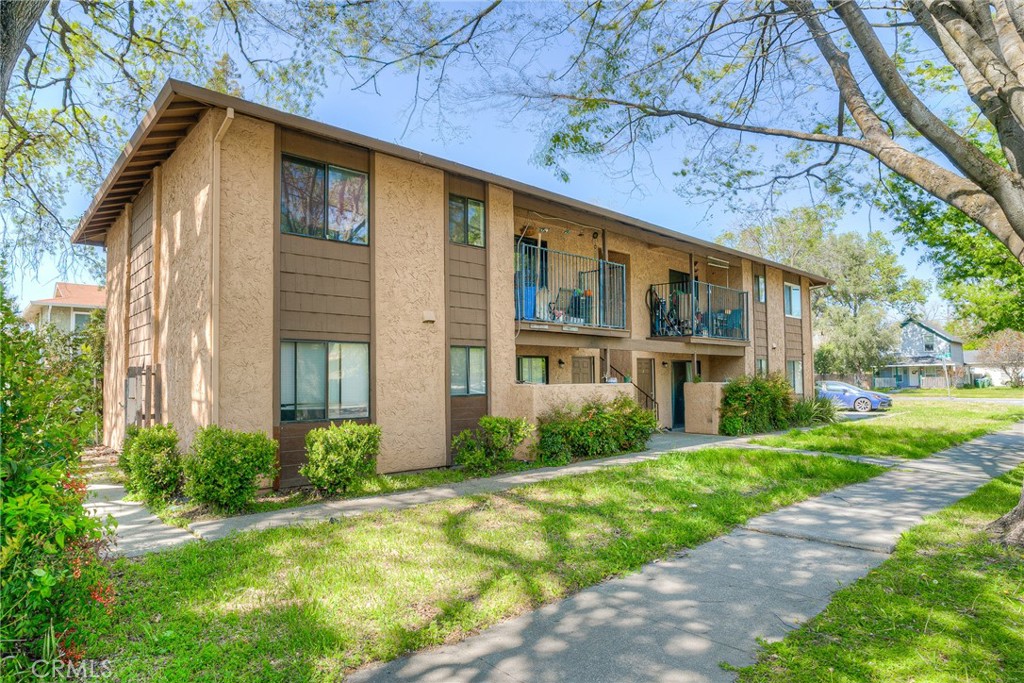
<point x="467" y="295"/>
<point x="466" y="187"/>
<point x="320" y="149"/>
<point x="324" y="290"/>
<point x="466" y="410"/>
<point x="291" y="439"/>
<point x="140" y="278"/>
<point x="794" y="339"/>
<point x="760" y="310"/>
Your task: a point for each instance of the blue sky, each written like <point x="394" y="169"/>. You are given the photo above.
<point x="488" y="138"/>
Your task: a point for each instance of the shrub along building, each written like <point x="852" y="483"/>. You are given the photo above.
<point x="268" y="272"/>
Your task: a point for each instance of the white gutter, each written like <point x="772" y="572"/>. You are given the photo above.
<point x="215" y="270"/>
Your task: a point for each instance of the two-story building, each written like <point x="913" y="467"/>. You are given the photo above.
<point x="269" y="272"/>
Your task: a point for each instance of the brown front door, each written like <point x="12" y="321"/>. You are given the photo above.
<point x="582" y="369"/>
<point x="645" y="382"/>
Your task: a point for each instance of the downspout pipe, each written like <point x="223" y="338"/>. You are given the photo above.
<point x="215" y="269"/>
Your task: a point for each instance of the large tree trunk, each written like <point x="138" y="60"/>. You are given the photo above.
<point x="17" y="19"/>
<point x="1009" y="529"/>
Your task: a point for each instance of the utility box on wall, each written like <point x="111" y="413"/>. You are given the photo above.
<point x="703" y="406"/>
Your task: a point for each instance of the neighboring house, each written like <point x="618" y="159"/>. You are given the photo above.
<point x="928" y="356"/>
<point x="69" y="309"/>
<point x="268" y="272"/>
<point x="979" y="367"/>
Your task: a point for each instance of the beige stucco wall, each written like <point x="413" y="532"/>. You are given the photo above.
<point x="411" y="381"/>
<point x="648" y="265"/>
<point x="501" y="356"/>
<point x="703" y="401"/>
<point x="114" y="357"/>
<point x="184" y="289"/>
<point x="245" y="346"/>
<point x="776" y="320"/>
<point x="534" y="400"/>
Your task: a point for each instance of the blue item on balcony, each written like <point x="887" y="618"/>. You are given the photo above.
<point x="526" y="302"/>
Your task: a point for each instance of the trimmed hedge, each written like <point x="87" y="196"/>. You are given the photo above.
<point x="151" y="462"/>
<point x="491" y="447"/>
<point x="340" y="454"/>
<point x="595" y="430"/>
<point x="223" y="468"/>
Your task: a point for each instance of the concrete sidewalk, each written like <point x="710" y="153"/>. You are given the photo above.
<point x="138" y="530"/>
<point x="679" y="620"/>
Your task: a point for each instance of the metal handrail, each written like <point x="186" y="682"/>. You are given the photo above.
<point x="648" y="399"/>
<point x="698" y="309"/>
<point x="569" y="289"/>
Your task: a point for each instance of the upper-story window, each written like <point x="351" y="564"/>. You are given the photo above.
<point x="791" y="296"/>
<point x="466" y="221"/>
<point x="929" y="345"/>
<point x="759" y="288"/>
<point x="325" y="201"/>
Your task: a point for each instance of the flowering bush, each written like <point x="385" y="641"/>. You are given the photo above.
<point x="52" y="583"/>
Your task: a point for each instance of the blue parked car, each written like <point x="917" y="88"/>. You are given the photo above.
<point x="853" y="398"/>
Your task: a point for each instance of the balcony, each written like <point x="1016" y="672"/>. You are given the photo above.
<point x="698" y="309"/>
<point x="554" y="287"/>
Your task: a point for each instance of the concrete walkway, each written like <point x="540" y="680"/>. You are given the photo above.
<point x="659" y="445"/>
<point x="138" y="530"/>
<point x="679" y="620"/>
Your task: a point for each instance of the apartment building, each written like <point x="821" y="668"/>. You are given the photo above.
<point x="269" y="272"/>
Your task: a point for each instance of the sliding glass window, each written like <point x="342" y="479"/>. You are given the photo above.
<point x="320" y="200"/>
<point x="468" y="369"/>
<point x="324" y="381"/>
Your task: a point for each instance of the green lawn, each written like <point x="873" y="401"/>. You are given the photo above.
<point x="299" y="604"/>
<point x="913" y="430"/>
<point x="183" y="512"/>
<point x="986" y="392"/>
<point x="947" y="606"/>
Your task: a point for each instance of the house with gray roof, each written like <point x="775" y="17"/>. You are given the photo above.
<point x="928" y="355"/>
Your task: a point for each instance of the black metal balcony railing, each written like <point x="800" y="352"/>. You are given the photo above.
<point x="568" y="289"/>
<point x="697" y="310"/>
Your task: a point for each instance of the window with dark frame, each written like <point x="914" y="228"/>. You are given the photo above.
<point x="532" y="369"/>
<point x="324" y="201"/>
<point x="324" y="380"/>
<point x="466" y="221"/>
<point x="468" y="370"/>
<point x="759" y="288"/>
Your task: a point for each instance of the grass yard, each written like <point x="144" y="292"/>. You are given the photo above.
<point x="183" y="512"/>
<point x="947" y="606"/>
<point x="984" y="392"/>
<point x="299" y="604"/>
<point x="913" y="430"/>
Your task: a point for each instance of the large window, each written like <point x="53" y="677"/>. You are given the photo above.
<point x="320" y="200"/>
<point x="532" y="369"/>
<point x="468" y="370"/>
<point x="791" y="294"/>
<point x="466" y="221"/>
<point x="759" y="288"/>
<point x="795" y="375"/>
<point x="324" y="381"/>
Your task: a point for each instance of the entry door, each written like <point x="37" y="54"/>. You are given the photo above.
<point x="682" y="372"/>
<point x="582" y="369"/>
<point x="645" y="380"/>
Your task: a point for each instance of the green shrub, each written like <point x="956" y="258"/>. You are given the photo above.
<point x="490" y="447"/>
<point x="223" y="468"/>
<point x="123" y="461"/>
<point x="755" y="404"/>
<point x="813" y="410"/>
<point x="340" y="454"/>
<point x="53" y="586"/>
<point x="151" y="462"/>
<point x="595" y="430"/>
